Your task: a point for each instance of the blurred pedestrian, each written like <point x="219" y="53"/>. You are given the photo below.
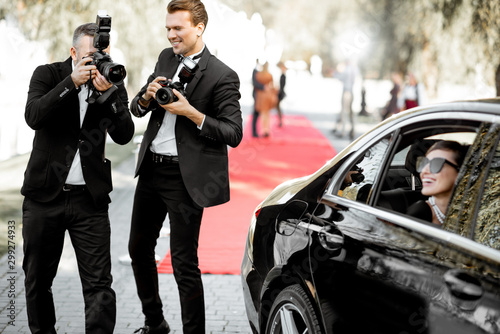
<point x="281" y="92"/>
<point x="412" y="94"/>
<point x="392" y="107"/>
<point x="347" y="74"/>
<point x="67" y="182"/>
<point x="182" y="163"/>
<point x="257" y="86"/>
<point x="266" y="99"/>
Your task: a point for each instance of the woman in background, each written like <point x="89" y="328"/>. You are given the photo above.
<point x="266" y="99"/>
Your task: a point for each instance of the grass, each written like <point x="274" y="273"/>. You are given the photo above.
<point x="11" y="200"/>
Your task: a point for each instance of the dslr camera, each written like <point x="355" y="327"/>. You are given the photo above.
<point x="357" y="177"/>
<point x="113" y="72"/>
<point x="165" y="95"/>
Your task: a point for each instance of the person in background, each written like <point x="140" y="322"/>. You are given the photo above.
<point x="281" y="92"/>
<point x="67" y="182"/>
<point x="182" y="163"/>
<point x="413" y="93"/>
<point x="392" y="105"/>
<point x="265" y="99"/>
<point x="257" y="86"/>
<point x="347" y="74"/>
<point x="438" y="172"/>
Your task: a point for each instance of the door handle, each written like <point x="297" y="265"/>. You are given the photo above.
<point x="465" y="289"/>
<point x="330" y="241"/>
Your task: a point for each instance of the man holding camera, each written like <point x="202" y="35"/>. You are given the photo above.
<point x="182" y="163"/>
<point x="67" y="182"/>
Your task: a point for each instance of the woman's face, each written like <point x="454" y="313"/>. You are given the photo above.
<point x="439" y="183"/>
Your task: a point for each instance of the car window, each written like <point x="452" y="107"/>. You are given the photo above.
<point x="401" y="185"/>
<point x="473" y="211"/>
<point x="487" y="231"/>
<point x="358" y="181"/>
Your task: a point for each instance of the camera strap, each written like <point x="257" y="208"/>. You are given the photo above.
<point x="101" y="99"/>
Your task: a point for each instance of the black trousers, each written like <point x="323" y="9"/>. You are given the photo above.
<point x="44" y="227"/>
<point x="160" y="190"/>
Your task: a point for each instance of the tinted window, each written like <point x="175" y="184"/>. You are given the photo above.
<point x="487" y="230"/>
<point x="464" y="215"/>
<point x="358" y="181"/>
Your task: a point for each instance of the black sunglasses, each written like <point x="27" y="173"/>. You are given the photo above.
<point x="435" y="165"/>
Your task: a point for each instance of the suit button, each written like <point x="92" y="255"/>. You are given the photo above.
<point x="158" y="124"/>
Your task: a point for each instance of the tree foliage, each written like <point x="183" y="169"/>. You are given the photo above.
<point x="430" y="37"/>
<point x="440" y="40"/>
<point x="137" y="30"/>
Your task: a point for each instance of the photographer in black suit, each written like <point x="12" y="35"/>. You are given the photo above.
<point x="67" y="182"/>
<point x="182" y="163"/>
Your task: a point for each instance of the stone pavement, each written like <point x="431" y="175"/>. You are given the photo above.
<point x="225" y="311"/>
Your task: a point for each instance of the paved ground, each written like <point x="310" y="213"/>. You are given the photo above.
<point x="224" y="301"/>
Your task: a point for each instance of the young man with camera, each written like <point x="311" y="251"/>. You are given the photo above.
<point x="68" y="180"/>
<point x="182" y="163"/>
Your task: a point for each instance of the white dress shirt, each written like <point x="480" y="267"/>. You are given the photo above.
<point x="164" y="142"/>
<point x="75" y="175"/>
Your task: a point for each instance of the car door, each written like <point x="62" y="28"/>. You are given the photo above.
<point x="392" y="273"/>
<point x="474" y="213"/>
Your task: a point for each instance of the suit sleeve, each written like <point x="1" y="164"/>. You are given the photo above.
<point x="226" y="126"/>
<point x="122" y="127"/>
<point x="135" y="108"/>
<point x="46" y="96"/>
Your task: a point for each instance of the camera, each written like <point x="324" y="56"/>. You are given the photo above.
<point x="357" y="177"/>
<point x="114" y="73"/>
<point x="165" y="95"/>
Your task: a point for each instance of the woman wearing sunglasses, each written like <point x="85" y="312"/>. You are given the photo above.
<point x="438" y="172"/>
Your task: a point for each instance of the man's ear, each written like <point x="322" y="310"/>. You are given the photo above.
<point x="201" y="29"/>
<point x="73" y="54"/>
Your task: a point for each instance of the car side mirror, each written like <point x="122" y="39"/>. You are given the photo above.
<point x="290" y="217"/>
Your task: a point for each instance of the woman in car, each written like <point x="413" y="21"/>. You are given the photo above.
<point x="438" y="172"/>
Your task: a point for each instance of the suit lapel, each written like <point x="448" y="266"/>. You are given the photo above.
<point x="202" y="65"/>
<point x="173" y="64"/>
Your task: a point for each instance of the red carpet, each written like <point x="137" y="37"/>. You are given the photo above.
<point x="256" y="167"/>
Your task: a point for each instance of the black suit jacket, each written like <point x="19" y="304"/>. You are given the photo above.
<point x="52" y="110"/>
<point x="203" y="159"/>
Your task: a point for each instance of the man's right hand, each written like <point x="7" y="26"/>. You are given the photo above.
<point x="150" y="92"/>
<point x="83" y="72"/>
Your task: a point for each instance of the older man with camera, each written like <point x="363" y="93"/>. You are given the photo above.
<point x="183" y="162"/>
<point x="68" y="180"/>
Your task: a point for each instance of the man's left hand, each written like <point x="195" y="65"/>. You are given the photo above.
<point x="100" y="83"/>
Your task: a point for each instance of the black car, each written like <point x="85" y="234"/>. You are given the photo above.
<point x="326" y="256"/>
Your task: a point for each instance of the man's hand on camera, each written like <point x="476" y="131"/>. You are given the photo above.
<point x="100" y="82"/>
<point x="153" y="88"/>
<point x="83" y="72"/>
<point x="150" y="92"/>
<point x="182" y="107"/>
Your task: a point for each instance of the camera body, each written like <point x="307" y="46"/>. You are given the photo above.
<point x="165" y="95"/>
<point x="114" y="73"/>
<point x="357" y="177"/>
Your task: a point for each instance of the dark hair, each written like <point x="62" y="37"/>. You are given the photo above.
<point x="195" y="7"/>
<point x="87" y="29"/>
<point x="459" y="151"/>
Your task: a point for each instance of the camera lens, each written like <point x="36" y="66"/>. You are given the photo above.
<point x="165" y="95"/>
<point x="114" y="73"/>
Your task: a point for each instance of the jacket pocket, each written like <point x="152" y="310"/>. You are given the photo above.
<point x="37" y="169"/>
